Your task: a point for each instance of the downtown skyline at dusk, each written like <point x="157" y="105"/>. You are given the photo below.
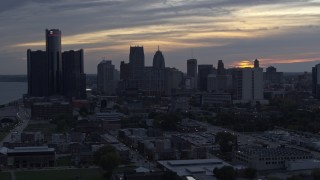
<point x="284" y="34"/>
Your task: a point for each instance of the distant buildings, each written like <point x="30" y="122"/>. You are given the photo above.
<point x="272" y="76"/>
<point x="262" y="158"/>
<point x="52" y="73"/>
<point x="204" y="71"/>
<point x="316" y="81"/>
<point x="192" y="73"/>
<point x="136" y="65"/>
<point x="107" y="78"/>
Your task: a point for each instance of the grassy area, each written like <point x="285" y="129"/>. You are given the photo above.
<point x="127" y="168"/>
<point x="5" y="176"/>
<point x="68" y="174"/>
<point x="64" y="161"/>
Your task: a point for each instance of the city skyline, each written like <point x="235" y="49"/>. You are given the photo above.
<point x="278" y="33"/>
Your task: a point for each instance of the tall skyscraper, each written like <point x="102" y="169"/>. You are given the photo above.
<point x="204" y="71"/>
<point x="53" y="49"/>
<point x="136" y="64"/>
<point x="256" y="63"/>
<point x="51" y="73"/>
<point x="74" y="79"/>
<point x="221" y="70"/>
<point x="158" y="60"/>
<point x="154" y="83"/>
<point x="107" y="78"/>
<point x="192" y="72"/>
<point x="316" y="81"/>
<point x="37" y="73"/>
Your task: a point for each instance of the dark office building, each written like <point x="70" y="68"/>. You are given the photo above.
<point x="136" y="63"/>
<point x="221" y="70"/>
<point x="192" y="72"/>
<point x="204" y="71"/>
<point x="49" y="71"/>
<point x="316" y="81"/>
<point x="272" y="76"/>
<point x="37" y="73"/>
<point x="53" y="48"/>
<point x="158" y="60"/>
<point x="74" y="79"/>
<point x="124" y="71"/>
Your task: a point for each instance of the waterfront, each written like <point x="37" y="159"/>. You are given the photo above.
<point x="10" y="91"/>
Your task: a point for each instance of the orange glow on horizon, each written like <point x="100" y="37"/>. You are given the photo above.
<point x="244" y="64"/>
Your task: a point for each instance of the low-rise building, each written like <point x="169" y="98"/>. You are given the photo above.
<point x="31" y="157"/>
<point x="262" y="158"/>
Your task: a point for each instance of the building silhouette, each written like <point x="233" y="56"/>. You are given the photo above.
<point x="53" y="49"/>
<point x="316" y="81"/>
<point x="192" y="72"/>
<point x="37" y="63"/>
<point x="204" y="71"/>
<point x="107" y="78"/>
<point x="136" y="66"/>
<point x="74" y="78"/>
<point x="52" y="73"/>
<point x="155" y="76"/>
<point x="158" y="60"/>
<point x="221" y="70"/>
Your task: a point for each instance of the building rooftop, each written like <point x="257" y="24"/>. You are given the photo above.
<point x="272" y="152"/>
<point x="197" y="168"/>
<point x="31" y="149"/>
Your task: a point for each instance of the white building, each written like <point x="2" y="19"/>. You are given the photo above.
<point x="249" y="85"/>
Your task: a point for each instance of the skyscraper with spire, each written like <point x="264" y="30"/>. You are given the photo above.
<point x="158" y="60"/>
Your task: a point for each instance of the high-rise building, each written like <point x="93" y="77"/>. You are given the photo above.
<point x="37" y="73"/>
<point x="173" y="80"/>
<point x="74" y="78"/>
<point x="124" y="71"/>
<point x="221" y="70"/>
<point x="192" y="72"/>
<point x="158" y="60"/>
<point x="204" y="71"/>
<point x="53" y="49"/>
<point x="136" y="65"/>
<point x="107" y="78"/>
<point x="249" y="84"/>
<point x="272" y="76"/>
<point x="316" y="81"/>
<point x="154" y="83"/>
<point x="256" y="63"/>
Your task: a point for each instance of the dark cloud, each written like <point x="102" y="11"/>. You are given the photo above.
<point x="24" y="21"/>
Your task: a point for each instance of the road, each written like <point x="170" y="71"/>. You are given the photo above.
<point x="23" y="118"/>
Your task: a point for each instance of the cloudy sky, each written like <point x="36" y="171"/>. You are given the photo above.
<point x="282" y="33"/>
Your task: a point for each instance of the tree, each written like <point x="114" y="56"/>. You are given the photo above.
<point x="315" y="174"/>
<point x="250" y="173"/>
<point x="167" y="121"/>
<point x="108" y="159"/>
<point x="225" y="173"/>
<point x="227" y="141"/>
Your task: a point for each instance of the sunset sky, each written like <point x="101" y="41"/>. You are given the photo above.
<point x="282" y="33"/>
